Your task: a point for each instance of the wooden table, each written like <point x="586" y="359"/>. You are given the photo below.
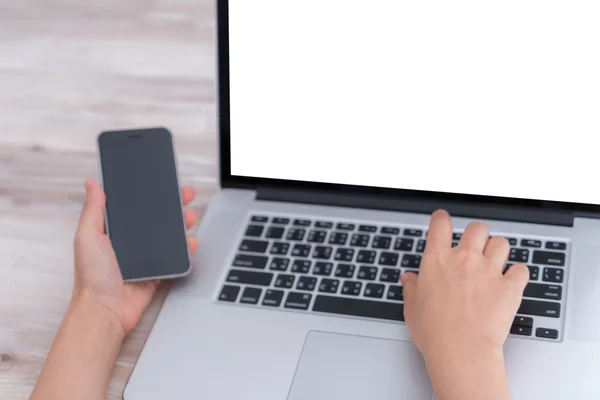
<point x="68" y="70"/>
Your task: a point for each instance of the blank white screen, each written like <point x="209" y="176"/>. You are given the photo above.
<point x="498" y="98"/>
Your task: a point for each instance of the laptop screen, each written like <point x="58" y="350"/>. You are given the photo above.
<point x="495" y="98"/>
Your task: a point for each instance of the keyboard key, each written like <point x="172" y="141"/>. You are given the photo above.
<point x="284" y="281"/>
<point x="390" y="275"/>
<point x="250" y="295"/>
<point x="381" y="242"/>
<point x="395" y="293"/>
<point x="329" y="285"/>
<point x="411" y="261"/>
<point x="518" y="255"/>
<point x="546" y="333"/>
<point x="367" y="273"/>
<point x="366" y="257"/>
<point x="280" y="248"/>
<point x="315" y="236"/>
<point x="542" y="308"/>
<point x="272" y="298"/>
<point x="456" y="236"/>
<point x="404" y="244"/>
<point x="301" y="250"/>
<point x="322" y="252"/>
<point x="306" y="283"/>
<point x="345" y="227"/>
<point x="556" y="246"/>
<point x="274" y="232"/>
<point x="259" y="218"/>
<point x="553" y="275"/>
<point x="421" y="246"/>
<point x="390" y="231"/>
<point x="279" y="264"/>
<point x="298" y="301"/>
<point x="360" y="240"/>
<point x="322" y="268"/>
<point x="324" y="224"/>
<point x="280" y="221"/>
<point x="339" y="238"/>
<point x="254" y="246"/>
<point x="296" y="234"/>
<point x="229" y="293"/>
<point x="534" y="272"/>
<point x="523" y="321"/>
<point x="302" y="222"/>
<point x="454" y="244"/>
<point x="344" y="254"/>
<point x="549" y="258"/>
<point x="374" y="290"/>
<point x="388" y="259"/>
<point x="345" y="270"/>
<point x="367" y="228"/>
<point x="254" y="230"/>
<point x="301" y="266"/>
<point x="540" y="291"/>
<point x="359" y="308"/>
<point x="520" y="330"/>
<point x="512" y="241"/>
<point x="351" y="288"/>
<point x="531" y="243"/>
<point x="413" y="232"/>
<point x="249" y="261"/>
<point x="250" y="277"/>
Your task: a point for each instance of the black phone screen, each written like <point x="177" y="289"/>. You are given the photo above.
<point x="143" y="204"/>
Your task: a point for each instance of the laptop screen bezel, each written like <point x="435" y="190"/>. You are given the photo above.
<point x="256" y="183"/>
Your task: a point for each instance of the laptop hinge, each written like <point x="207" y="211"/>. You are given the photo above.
<point x="422" y="206"/>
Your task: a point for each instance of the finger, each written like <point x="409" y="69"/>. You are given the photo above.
<point x="475" y="237"/>
<point x="496" y="250"/>
<point x="150" y="286"/>
<point x="440" y="232"/>
<point x="142" y="292"/>
<point x="188" y="194"/>
<point x="193" y="244"/>
<point x="92" y="215"/>
<point x="518" y="276"/>
<point x="190" y="218"/>
<point x="409" y="283"/>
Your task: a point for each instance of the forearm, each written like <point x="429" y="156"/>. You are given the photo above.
<point x="469" y="374"/>
<point x="82" y="355"/>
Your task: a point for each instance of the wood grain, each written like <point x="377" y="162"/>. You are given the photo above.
<point x="68" y="70"/>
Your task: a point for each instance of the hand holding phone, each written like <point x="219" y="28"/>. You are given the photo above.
<point x="144" y="213"/>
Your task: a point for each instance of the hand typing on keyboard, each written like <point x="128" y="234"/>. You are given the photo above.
<point x="460" y="309"/>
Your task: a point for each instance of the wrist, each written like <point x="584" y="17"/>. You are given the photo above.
<point x="88" y="310"/>
<point x="467" y="370"/>
<point x="461" y="348"/>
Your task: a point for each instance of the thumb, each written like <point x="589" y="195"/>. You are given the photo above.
<point x="409" y="283"/>
<point x="518" y="276"/>
<point x="92" y="215"/>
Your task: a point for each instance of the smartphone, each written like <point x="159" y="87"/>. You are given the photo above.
<point x="144" y="210"/>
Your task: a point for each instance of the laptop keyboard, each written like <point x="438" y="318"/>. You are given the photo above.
<point x="353" y="269"/>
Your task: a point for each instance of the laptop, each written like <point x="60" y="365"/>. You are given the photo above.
<point x="342" y="126"/>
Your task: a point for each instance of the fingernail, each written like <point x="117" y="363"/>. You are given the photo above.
<point x="440" y="212"/>
<point x="88" y="185"/>
<point x="402" y="278"/>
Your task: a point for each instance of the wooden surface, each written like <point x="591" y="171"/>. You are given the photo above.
<point x="68" y="70"/>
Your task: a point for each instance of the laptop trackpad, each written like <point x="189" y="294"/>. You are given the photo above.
<point x="334" y="366"/>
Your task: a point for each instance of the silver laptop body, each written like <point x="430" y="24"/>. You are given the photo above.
<point x="294" y="292"/>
